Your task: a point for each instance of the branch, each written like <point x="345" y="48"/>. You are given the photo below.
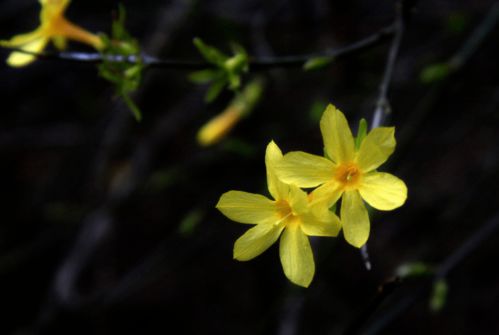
<point x="257" y="64"/>
<point x="383" y="109"/>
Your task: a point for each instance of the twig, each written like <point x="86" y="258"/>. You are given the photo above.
<point x="476" y="38"/>
<point x="256" y="64"/>
<point x="453" y="260"/>
<point x="383" y="109"/>
<point x="445" y="267"/>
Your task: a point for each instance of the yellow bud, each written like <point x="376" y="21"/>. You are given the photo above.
<point x="218" y="127"/>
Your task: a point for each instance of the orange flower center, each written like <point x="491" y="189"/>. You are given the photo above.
<point x="348" y="175"/>
<point x="285" y="212"/>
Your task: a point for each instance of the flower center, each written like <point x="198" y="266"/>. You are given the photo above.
<point x="284" y="212"/>
<point x="348" y="174"/>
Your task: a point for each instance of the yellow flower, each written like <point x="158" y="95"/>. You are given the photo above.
<point x="289" y="213"/>
<point x="53" y="26"/>
<point x="347" y="173"/>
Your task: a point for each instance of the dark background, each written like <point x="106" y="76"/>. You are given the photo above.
<point x="108" y="225"/>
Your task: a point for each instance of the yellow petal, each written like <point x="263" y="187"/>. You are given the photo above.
<point x="383" y="191"/>
<point x="277" y="189"/>
<point x="375" y="149"/>
<point x="321" y="223"/>
<point x="297" y="200"/>
<point x="328" y="194"/>
<point x="63" y="27"/>
<point x="246" y="207"/>
<point x="256" y="240"/>
<point x="337" y="136"/>
<point x="304" y="170"/>
<point x="52" y="9"/>
<point x="18" y="59"/>
<point x="354" y="219"/>
<point x="296" y="256"/>
<point x="20" y="40"/>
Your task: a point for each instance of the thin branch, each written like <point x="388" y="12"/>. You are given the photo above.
<point x="264" y="63"/>
<point x="383" y="108"/>
<point x="476" y="38"/>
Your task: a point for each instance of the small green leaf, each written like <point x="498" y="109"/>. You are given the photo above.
<point x="361" y="133"/>
<point x="124" y="75"/>
<point x="190" y="222"/>
<point x="316" y="110"/>
<point x="132" y="106"/>
<point x="435" y="72"/>
<point x="317" y="63"/>
<point x="414" y="269"/>
<point x="214" y="90"/>
<point x="438" y="295"/>
<point x="211" y="54"/>
<point x="204" y="76"/>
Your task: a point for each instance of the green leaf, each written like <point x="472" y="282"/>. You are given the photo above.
<point x="190" y="222"/>
<point x="228" y="69"/>
<point x="317" y="63"/>
<point x="204" y="76"/>
<point x="438" y="295"/>
<point x="414" y="269"/>
<point x="132" y="106"/>
<point x="435" y="72"/>
<point x="214" y="90"/>
<point x="211" y="54"/>
<point x="361" y="133"/>
<point x="126" y="76"/>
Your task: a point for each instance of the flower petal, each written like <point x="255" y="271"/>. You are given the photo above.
<point x="296" y="256"/>
<point x="337" y="136"/>
<point x="256" y="240"/>
<point x="52" y="9"/>
<point x="354" y="219"/>
<point x="18" y="59"/>
<point x="298" y="200"/>
<point x="246" y="207"/>
<point x="383" y="191"/>
<point x="304" y="170"/>
<point x="277" y="188"/>
<point x="320" y="223"/>
<point x="375" y="149"/>
<point x="329" y="193"/>
<point x="22" y="39"/>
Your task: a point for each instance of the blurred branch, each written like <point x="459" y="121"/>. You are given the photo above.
<point x="476" y="38"/>
<point x="359" y="322"/>
<point x="256" y="63"/>
<point x="382" y="104"/>
<point x="383" y="109"/>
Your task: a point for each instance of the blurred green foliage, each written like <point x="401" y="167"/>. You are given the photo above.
<point x="124" y="75"/>
<point x="227" y="70"/>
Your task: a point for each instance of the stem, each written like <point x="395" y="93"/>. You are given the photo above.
<point x="383" y="108"/>
<point x="256" y="63"/>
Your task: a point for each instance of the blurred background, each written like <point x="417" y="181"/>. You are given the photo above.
<point x="109" y="225"/>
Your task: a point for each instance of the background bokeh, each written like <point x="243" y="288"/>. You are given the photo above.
<point x="108" y="225"/>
